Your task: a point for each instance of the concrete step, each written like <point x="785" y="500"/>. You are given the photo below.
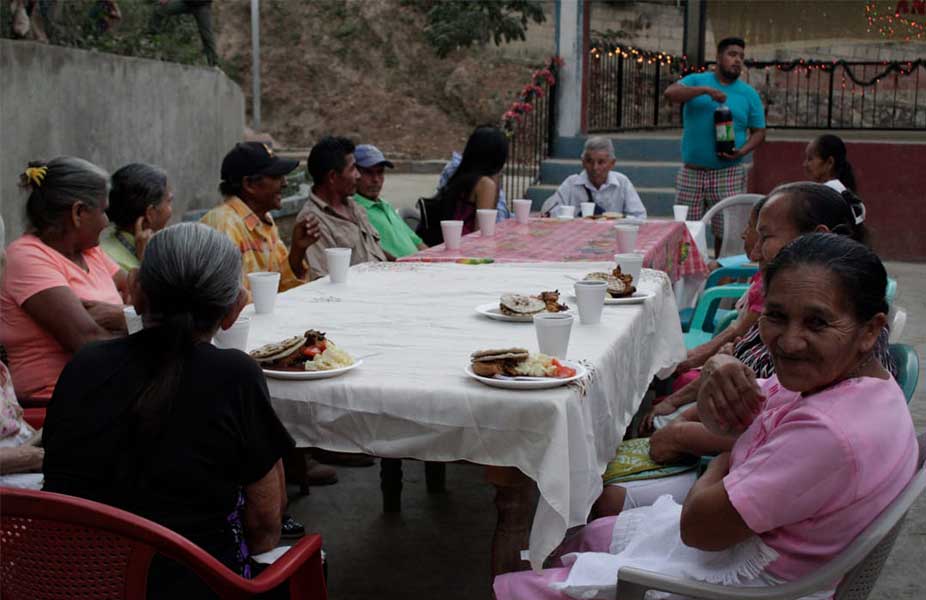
<point x="657" y="200"/>
<point x="641" y="173"/>
<point x="627" y="147"/>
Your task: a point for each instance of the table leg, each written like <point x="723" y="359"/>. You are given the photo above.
<point x="435" y="476"/>
<point x="514" y="502"/>
<point x="390" y="476"/>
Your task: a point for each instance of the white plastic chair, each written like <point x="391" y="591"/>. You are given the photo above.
<point x="735" y="211"/>
<point x="856" y="568"/>
<point x="411" y="217"/>
<point x="898" y="320"/>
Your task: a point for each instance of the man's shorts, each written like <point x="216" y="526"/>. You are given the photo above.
<point x="700" y="189"/>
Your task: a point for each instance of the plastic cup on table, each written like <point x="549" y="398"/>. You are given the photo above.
<point x="680" y="211"/>
<point x="627" y="237"/>
<point x="553" y="331"/>
<point x="338" y="260"/>
<point x="486" y="219"/>
<point x="590" y="298"/>
<point x="565" y="212"/>
<point x="522" y="210"/>
<point x="133" y="322"/>
<point x="264" y="285"/>
<point x="453" y="231"/>
<point x="235" y="336"/>
<point x="588" y="209"/>
<point x="630" y="263"/>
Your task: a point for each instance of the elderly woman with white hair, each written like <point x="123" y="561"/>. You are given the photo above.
<point x="167" y="426"/>
<point x="599" y="183"/>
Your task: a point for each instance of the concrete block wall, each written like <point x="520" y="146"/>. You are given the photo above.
<point x="113" y="110"/>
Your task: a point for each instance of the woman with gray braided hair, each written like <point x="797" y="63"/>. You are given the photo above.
<point x="60" y="291"/>
<point x="167" y="426"/>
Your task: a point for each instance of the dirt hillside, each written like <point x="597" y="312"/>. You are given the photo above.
<point x="362" y="68"/>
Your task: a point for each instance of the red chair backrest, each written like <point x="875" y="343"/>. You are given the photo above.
<point x="58" y="546"/>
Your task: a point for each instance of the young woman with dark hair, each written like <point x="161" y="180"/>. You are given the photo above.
<point x="825" y="162"/>
<point x="474" y="185"/>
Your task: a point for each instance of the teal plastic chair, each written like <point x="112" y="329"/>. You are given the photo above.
<point x="737" y="260"/>
<point x="725" y="322"/>
<point x="891" y="292"/>
<point x="739" y="272"/>
<point x="908" y="368"/>
<point x="707" y="306"/>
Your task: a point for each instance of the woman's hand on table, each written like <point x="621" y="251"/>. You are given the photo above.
<point x="729" y="398"/>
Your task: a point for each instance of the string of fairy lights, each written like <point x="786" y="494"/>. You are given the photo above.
<point x="893" y="24"/>
<point x="604" y="50"/>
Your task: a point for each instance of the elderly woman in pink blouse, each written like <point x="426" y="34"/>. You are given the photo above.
<point x="821" y="448"/>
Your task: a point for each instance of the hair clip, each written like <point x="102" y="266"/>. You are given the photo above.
<point x="860" y="216"/>
<point x="36" y="175"/>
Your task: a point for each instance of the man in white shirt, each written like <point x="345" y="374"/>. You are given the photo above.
<point x="609" y="190"/>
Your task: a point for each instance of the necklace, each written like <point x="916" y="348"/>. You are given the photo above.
<point x="126" y="239"/>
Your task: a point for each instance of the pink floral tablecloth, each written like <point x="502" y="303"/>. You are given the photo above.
<point x="666" y="245"/>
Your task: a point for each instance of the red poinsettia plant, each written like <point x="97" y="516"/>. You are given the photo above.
<point x="524" y="104"/>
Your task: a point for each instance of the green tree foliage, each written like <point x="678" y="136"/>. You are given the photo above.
<point x="77" y="23"/>
<point x="454" y="24"/>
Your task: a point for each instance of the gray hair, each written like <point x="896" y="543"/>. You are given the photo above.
<point x="191" y="270"/>
<point x="597" y="144"/>
<point x="66" y="181"/>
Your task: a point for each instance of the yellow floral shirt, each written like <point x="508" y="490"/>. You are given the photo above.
<point x="259" y="242"/>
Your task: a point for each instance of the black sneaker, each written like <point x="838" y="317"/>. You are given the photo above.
<point x="291" y="528"/>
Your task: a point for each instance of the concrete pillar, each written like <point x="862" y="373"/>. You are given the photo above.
<point x="571" y="42"/>
<point x="695" y="21"/>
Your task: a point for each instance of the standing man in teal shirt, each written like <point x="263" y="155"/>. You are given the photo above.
<point x="396" y="237"/>
<point x="706" y="178"/>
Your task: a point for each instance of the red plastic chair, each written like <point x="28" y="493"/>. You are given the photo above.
<point x="34" y="417"/>
<point x="57" y="546"/>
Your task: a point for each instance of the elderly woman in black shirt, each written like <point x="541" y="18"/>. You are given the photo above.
<point x="167" y="426"/>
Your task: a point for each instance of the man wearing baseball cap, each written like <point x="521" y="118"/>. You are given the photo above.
<point x="253" y="178"/>
<point x="396" y="237"/>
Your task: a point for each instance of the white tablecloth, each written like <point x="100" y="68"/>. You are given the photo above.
<point x="414" y="400"/>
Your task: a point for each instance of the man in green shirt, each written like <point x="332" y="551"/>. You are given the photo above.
<point x="396" y="237"/>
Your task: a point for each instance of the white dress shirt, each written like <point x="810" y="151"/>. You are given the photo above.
<point x="617" y="194"/>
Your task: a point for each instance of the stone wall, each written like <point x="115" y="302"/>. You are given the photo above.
<point x="113" y="110"/>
